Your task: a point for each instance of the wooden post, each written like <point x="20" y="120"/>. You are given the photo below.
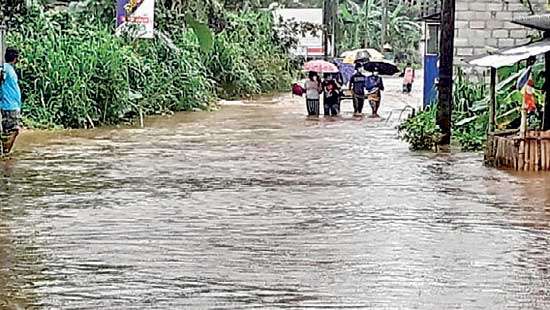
<point x="493" y="102"/>
<point x="444" y="113"/>
<point x="3" y="29"/>
<point x="546" y="118"/>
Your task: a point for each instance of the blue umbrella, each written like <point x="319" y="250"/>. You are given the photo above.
<point x="524" y="78"/>
<point x="347" y="70"/>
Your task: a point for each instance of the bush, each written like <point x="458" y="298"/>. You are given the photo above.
<point x="74" y="77"/>
<point x="421" y="131"/>
<point x="78" y="74"/>
<point x="261" y="65"/>
<point x="470" y="113"/>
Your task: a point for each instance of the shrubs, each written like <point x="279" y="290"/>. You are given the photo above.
<point x="420" y="130"/>
<point x="258" y="66"/>
<point x="470" y="113"/>
<point x="78" y="74"/>
<point x="73" y="78"/>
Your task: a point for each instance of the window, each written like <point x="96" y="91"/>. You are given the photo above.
<point x="432" y="39"/>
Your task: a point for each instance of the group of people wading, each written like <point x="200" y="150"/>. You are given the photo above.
<point x="361" y="86"/>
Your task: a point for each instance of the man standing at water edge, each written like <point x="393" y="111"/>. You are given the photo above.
<point x="10" y="101"/>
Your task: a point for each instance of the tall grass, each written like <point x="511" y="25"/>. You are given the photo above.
<point x="78" y="74"/>
<point x="246" y="58"/>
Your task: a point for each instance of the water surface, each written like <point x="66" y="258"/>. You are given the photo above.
<point x="255" y="207"/>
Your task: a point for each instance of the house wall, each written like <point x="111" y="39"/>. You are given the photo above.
<point x="482" y="25"/>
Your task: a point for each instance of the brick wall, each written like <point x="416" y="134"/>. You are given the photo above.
<point x="485" y="24"/>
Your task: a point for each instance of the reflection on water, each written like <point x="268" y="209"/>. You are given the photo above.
<point x="253" y="206"/>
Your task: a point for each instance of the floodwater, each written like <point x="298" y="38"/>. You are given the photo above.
<point x="255" y="207"/>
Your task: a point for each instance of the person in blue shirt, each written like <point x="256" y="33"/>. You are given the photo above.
<point x="10" y="101"/>
<point x="374" y="85"/>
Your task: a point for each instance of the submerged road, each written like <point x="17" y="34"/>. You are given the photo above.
<point x="255" y="207"/>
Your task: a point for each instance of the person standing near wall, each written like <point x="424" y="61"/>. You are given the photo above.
<point x="10" y="101"/>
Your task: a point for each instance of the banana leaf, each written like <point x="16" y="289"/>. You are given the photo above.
<point x="467" y="120"/>
<point x="480" y="105"/>
<point x="507" y="118"/>
<point x="203" y="33"/>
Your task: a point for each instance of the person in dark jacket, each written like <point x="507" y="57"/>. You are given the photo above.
<point x="357" y="86"/>
<point x="331" y="95"/>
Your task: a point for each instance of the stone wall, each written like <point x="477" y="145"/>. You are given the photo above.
<point x="482" y="25"/>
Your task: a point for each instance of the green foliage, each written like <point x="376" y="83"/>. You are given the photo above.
<point x="421" y="131"/>
<point x="204" y="35"/>
<point x="72" y="80"/>
<point x="470" y="111"/>
<point x="260" y="65"/>
<point x="77" y="73"/>
<point x="361" y="24"/>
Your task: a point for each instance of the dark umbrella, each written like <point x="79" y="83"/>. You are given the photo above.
<point x="384" y="68"/>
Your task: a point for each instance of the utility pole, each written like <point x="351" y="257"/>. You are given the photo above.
<point x="326" y="26"/>
<point x="330" y="15"/>
<point x="445" y="104"/>
<point x="384" y="31"/>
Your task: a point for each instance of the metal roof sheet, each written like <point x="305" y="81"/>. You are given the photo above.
<point x="510" y="56"/>
<point x="539" y="22"/>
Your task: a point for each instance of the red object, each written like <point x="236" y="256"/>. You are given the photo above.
<point x="529" y="97"/>
<point x="298" y="90"/>
<point x="315" y="50"/>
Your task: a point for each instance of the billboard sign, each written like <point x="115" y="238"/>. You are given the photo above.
<point x="136" y="17"/>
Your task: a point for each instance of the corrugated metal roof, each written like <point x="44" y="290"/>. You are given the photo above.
<point x="508" y="57"/>
<point x="539" y="22"/>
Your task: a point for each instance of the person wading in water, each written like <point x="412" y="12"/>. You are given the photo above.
<point x="313" y="93"/>
<point x="408" y="78"/>
<point x="357" y="86"/>
<point x="10" y="101"/>
<point x="331" y="95"/>
<point x="375" y="86"/>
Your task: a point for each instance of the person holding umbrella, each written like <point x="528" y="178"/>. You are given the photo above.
<point x="329" y="85"/>
<point x="313" y="94"/>
<point x="374" y="85"/>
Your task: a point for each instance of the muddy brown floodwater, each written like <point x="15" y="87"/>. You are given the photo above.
<point x="254" y="207"/>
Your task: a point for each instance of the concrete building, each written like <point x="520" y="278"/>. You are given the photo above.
<point x="482" y="25"/>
